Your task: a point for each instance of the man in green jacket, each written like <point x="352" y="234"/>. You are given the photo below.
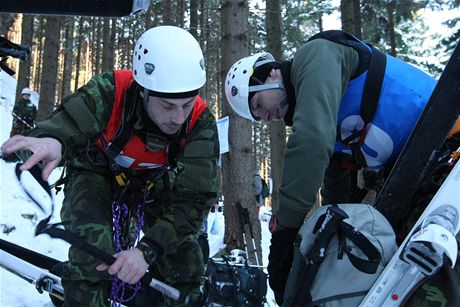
<point x="140" y="149"/>
<point x="319" y="93"/>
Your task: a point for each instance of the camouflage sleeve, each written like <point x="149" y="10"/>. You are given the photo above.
<point x="195" y="187"/>
<point x="34" y="113"/>
<point x="18" y="108"/>
<point x="81" y="116"/>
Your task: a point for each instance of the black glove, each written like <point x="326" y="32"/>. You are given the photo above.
<point x="372" y="179"/>
<point x="280" y="257"/>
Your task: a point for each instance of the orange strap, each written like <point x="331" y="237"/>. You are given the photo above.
<point x="455" y="128"/>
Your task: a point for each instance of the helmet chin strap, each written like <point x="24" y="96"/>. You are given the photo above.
<point x="145" y="99"/>
<point x="268" y="86"/>
<point x="283" y="103"/>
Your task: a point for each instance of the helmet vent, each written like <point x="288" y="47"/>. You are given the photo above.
<point x="146" y="51"/>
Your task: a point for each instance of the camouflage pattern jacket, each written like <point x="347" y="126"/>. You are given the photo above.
<point x="83" y="117"/>
<point x="26" y="111"/>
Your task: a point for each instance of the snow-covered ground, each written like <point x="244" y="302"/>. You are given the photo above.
<point x="19" y="217"/>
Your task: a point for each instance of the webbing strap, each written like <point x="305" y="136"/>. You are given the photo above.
<point x="369" y="265"/>
<point x="124" y="132"/>
<point x="369" y="103"/>
<point x="373" y="85"/>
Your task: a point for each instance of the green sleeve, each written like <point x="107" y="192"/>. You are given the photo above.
<point x="194" y="189"/>
<point x="81" y="116"/>
<point x="320" y="73"/>
<point x="18" y="108"/>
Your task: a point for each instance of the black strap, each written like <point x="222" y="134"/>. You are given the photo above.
<point x="373" y="85"/>
<point x="369" y="265"/>
<point x="369" y="103"/>
<point x="124" y="132"/>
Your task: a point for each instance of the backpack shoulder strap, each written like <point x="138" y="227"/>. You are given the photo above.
<point x="373" y="85"/>
<point x="369" y="103"/>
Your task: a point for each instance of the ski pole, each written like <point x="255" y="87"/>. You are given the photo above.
<point x="43" y="281"/>
<point x="241" y="219"/>
<point x="252" y="235"/>
<point x="244" y="219"/>
<point x="245" y="213"/>
<point x="22" y="120"/>
<point x="80" y="243"/>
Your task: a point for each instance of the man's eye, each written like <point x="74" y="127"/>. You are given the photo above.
<point x="168" y="107"/>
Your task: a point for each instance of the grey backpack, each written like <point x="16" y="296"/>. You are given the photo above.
<point x="339" y="253"/>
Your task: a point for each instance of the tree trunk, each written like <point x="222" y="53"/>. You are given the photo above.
<point x="277" y="129"/>
<point x="180" y="13"/>
<point x="357" y="23"/>
<point x="194" y="18"/>
<point x="346" y="10"/>
<point x="24" y="66"/>
<point x="237" y="177"/>
<point x="79" y="50"/>
<point x="50" y="60"/>
<point x="68" y="56"/>
<point x="97" y="46"/>
<point x="391" y="28"/>
<point x="38" y="67"/>
<point x="167" y="15"/>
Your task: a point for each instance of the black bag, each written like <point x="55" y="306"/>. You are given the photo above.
<point x="234" y="285"/>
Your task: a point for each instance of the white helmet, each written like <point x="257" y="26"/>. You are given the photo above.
<point x="26" y="91"/>
<point x="237" y="87"/>
<point x="168" y="59"/>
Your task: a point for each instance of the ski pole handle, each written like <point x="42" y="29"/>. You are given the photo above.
<point x="80" y="243"/>
<point x="333" y="216"/>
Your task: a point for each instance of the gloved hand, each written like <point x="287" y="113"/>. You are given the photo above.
<point x="372" y="179"/>
<point x="280" y="257"/>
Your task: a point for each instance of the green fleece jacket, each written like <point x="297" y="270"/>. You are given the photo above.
<point x="320" y="73"/>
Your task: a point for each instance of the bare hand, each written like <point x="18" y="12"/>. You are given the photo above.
<point x="47" y="150"/>
<point x="130" y="266"/>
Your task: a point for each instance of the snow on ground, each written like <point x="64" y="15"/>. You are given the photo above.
<point x="18" y="211"/>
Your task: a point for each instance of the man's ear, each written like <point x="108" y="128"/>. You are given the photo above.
<point x="273" y="74"/>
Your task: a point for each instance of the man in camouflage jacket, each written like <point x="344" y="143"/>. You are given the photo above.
<point x="24" y="113"/>
<point x="165" y="173"/>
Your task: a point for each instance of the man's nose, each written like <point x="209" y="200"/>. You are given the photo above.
<point x="179" y="116"/>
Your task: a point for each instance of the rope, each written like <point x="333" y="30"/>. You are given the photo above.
<point x="120" y="213"/>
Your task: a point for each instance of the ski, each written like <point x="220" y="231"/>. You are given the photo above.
<point x="433" y="126"/>
<point x="425" y="250"/>
<point x="43" y="280"/>
<point x="28" y="255"/>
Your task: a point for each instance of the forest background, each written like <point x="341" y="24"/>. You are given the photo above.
<point x="68" y="50"/>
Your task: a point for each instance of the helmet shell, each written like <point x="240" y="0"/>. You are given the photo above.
<point x="237" y="83"/>
<point x="168" y="59"/>
<point x="26" y="91"/>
